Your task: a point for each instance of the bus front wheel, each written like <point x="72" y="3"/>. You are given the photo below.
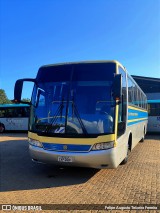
<point x="129" y="147"/>
<point x="126" y="158"/>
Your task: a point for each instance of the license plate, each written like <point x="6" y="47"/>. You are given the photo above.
<point x="65" y="159"/>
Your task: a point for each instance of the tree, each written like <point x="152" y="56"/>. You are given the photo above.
<point x="26" y="100"/>
<point x="3" y="98"/>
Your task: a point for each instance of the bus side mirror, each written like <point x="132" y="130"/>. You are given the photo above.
<point x="18" y="89"/>
<point x="117" y="88"/>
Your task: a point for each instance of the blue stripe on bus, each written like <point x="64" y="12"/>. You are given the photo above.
<point x="135" y="122"/>
<point x="153" y="101"/>
<point x="13" y="105"/>
<point x="136" y="114"/>
<point x="66" y="147"/>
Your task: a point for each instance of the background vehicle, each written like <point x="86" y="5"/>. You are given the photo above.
<point x="154" y="116"/>
<point x="14" y="117"/>
<point x="86" y="114"/>
<point x="2" y="128"/>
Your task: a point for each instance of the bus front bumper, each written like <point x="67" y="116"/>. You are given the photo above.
<point x="94" y="159"/>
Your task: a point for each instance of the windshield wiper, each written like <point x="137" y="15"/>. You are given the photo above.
<point x="55" y="116"/>
<point x="59" y="112"/>
<point x="79" y="118"/>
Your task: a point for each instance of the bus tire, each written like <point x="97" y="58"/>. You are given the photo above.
<point x="144" y="132"/>
<point x="125" y="160"/>
<point x="2" y="128"/>
<point x="128" y="150"/>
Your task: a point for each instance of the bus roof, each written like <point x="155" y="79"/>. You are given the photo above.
<point x="84" y="62"/>
<point x="13" y="105"/>
<point x="153" y="101"/>
<point x="117" y="63"/>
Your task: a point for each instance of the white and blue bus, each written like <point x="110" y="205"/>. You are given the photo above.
<point x="14" y="117"/>
<point x="88" y="114"/>
<point x="154" y="116"/>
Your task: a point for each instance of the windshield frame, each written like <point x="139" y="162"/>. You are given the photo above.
<point x="68" y="100"/>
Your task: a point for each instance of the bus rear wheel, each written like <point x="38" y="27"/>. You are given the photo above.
<point x="2" y="128"/>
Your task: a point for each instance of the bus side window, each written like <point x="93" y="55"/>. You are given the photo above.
<point x="9" y="113"/>
<point x="19" y="112"/>
<point x="122" y="106"/>
<point x="2" y="113"/>
<point x="27" y="111"/>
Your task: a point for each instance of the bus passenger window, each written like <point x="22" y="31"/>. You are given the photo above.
<point x="2" y="113"/>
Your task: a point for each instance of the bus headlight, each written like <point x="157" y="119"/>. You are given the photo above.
<point x="103" y="146"/>
<point x="34" y="142"/>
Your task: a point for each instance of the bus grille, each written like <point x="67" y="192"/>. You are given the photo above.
<point x="66" y="147"/>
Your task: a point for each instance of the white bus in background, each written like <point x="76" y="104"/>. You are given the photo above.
<point x="154" y="116"/>
<point x="14" y="117"/>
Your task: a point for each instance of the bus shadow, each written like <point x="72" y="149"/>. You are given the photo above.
<point x="153" y="135"/>
<point x="18" y="172"/>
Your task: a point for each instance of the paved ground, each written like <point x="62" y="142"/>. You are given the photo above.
<point x="23" y="182"/>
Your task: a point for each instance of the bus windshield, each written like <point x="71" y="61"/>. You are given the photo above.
<point x="81" y="104"/>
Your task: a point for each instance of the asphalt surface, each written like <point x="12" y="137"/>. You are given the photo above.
<point x="24" y="182"/>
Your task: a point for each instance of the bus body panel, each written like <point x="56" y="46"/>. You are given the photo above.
<point x="154" y="116"/>
<point x="19" y="124"/>
<point x="94" y="159"/>
<point x="137" y="132"/>
<point x="154" y="124"/>
<point x="137" y="123"/>
<point x="136" y="127"/>
<point x="63" y="140"/>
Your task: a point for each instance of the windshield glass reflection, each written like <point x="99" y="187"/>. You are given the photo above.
<point x="89" y="109"/>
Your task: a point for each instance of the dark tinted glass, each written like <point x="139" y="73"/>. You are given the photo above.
<point x="74" y="72"/>
<point x="154" y="109"/>
<point x="74" y="99"/>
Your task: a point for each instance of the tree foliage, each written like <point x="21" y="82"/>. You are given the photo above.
<point x="26" y="100"/>
<point x="3" y="98"/>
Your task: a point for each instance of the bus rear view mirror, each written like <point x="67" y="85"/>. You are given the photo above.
<point x="18" y="88"/>
<point x="117" y="88"/>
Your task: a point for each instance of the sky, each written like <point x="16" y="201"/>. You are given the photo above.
<point x="38" y="32"/>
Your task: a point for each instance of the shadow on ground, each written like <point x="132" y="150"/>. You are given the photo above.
<point x="153" y="135"/>
<point x="18" y="172"/>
